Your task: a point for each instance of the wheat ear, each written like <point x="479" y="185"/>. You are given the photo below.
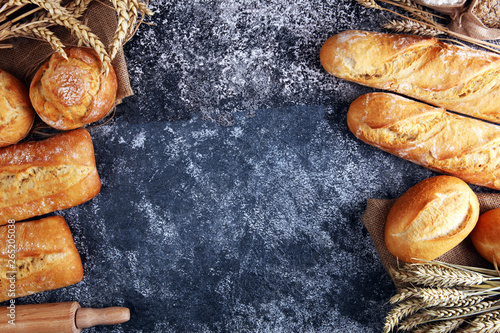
<point x="41" y="33"/>
<point x="399" y="312"/>
<point x="122" y="27"/>
<point x="62" y="17"/>
<point x="446" y="326"/>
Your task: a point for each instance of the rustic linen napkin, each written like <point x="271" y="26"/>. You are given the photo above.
<point x="375" y="216"/>
<point x="464" y="19"/>
<point x="27" y="55"/>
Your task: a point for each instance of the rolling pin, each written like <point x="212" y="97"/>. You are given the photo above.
<point x="65" y="317"/>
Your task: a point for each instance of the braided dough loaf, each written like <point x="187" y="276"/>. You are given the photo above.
<point x="431" y="137"/>
<point x="69" y="94"/>
<point x="452" y="77"/>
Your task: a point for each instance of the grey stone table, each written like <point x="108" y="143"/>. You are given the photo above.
<point x="232" y="188"/>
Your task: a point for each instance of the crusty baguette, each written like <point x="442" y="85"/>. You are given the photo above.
<point x="452" y="77"/>
<point x="442" y="141"/>
<point x="431" y="218"/>
<point x="46" y="257"/>
<point x="40" y="177"/>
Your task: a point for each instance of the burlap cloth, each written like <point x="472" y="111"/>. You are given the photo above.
<point x="464" y="254"/>
<point x="27" y="55"/>
<point x="464" y="21"/>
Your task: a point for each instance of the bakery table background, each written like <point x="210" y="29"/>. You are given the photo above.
<point x="232" y="189"/>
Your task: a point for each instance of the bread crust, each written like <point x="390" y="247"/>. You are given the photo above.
<point x="46" y="257"/>
<point x="431" y="218"/>
<point x="431" y="137"/>
<point x="40" y="177"/>
<point x="16" y="114"/>
<point x="449" y="76"/>
<point x="68" y="94"/>
<point x="486" y="236"/>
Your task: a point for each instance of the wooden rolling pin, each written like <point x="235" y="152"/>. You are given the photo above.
<point x="66" y="317"/>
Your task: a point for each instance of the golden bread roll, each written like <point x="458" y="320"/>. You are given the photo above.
<point x="68" y="94"/>
<point x="445" y="75"/>
<point x="16" y="114"/>
<point x="431" y="137"/>
<point x="40" y="177"/>
<point x="431" y="218"/>
<point x="46" y="257"/>
<point x="486" y="236"/>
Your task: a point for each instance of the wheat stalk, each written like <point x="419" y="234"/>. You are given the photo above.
<point x="446" y="326"/>
<point x="43" y="33"/>
<point x="36" y="23"/>
<point x="398" y="313"/>
<point x="369" y="4"/>
<point x="427" y="18"/>
<point x="414" y="27"/>
<point x="441" y="297"/>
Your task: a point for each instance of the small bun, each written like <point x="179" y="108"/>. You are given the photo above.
<point x="16" y="113"/>
<point x="486" y="236"/>
<point x="68" y="94"/>
<point x="431" y="218"/>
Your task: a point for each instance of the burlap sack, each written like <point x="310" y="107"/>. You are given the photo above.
<point x="464" y="254"/>
<point x="464" y="20"/>
<point x="27" y="55"/>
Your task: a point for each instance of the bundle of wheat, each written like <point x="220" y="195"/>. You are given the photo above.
<point x="36" y="18"/>
<point x="425" y="22"/>
<point x="440" y="297"/>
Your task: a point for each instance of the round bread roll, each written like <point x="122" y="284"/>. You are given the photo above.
<point x="486" y="236"/>
<point x="16" y="114"/>
<point x="431" y="218"/>
<point x="68" y="94"/>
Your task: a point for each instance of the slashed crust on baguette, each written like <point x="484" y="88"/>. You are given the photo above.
<point x="442" y="141"/>
<point x="453" y="77"/>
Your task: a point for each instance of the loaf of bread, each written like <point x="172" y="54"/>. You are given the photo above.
<point x="40" y="177"/>
<point x="452" y="77"/>
<point x="431" y="137"/>
<point x="486" y="236"/>
<point x="68" y="94"/>
<point x="431" y="218"/>
<point x="45" y="258"/>
<point x="16" y="114"/>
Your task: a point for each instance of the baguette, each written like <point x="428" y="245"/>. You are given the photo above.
<point x="40" y="177"/>
<point x="46" y="257"/>
<point x="431" y="137"/>
<point x="431" y="218"/>
<point x="456" y="78"/>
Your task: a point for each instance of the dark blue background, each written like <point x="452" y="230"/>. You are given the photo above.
<point x="232" y="188"/>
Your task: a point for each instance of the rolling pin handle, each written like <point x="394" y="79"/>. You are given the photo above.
<point x="88" y="317"/>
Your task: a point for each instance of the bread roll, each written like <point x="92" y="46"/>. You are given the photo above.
<point x="46" y="257"/>
<point x="40" y="177"/>
<point x="431" y="137"/>
<point x="16" y="114"/>
<point x="431" y="218"/>
<point x="68" y="94"/>
<point x="449" y="76"/>
<point x="486" y="236"/>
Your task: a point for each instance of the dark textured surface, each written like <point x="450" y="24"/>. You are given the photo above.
<point x="232" y="188"/>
